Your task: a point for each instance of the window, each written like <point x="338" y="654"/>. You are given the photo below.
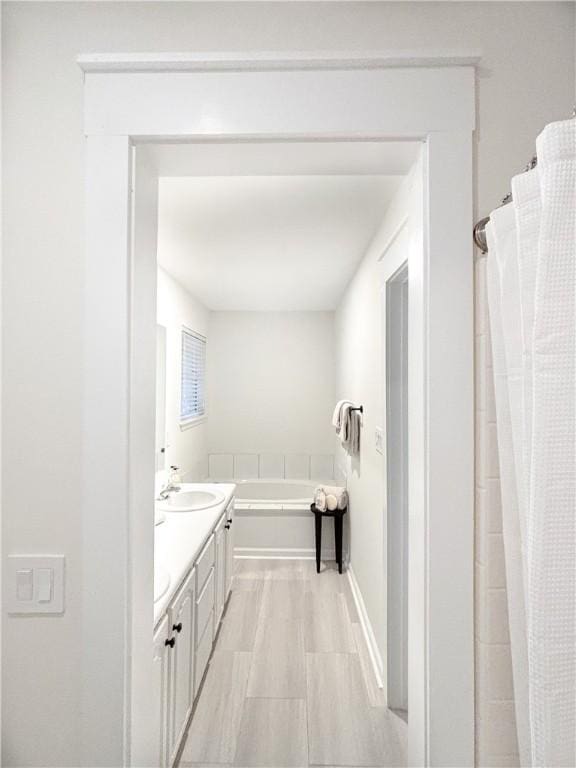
<point x="193" y="377"/>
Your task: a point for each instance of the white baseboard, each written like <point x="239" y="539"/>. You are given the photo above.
<point x="283" y="553"/>
<point x="367" y="630"/>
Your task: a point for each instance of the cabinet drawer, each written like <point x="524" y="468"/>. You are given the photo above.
<point x="203" y="653"/>
<point x="204" y="563"/>
<point x="205" y="606"/>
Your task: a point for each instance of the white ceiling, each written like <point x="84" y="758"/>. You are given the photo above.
<point x="269" y="226"/>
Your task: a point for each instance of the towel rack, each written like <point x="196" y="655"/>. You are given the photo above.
<point x="358" y="408"/>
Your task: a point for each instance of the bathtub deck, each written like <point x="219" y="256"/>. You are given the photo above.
<point x="290" y="682"/>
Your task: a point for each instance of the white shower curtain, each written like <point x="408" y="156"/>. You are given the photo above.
<point x="532" y="303"/>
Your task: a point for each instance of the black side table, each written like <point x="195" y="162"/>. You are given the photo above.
<point x="338" y="515"/>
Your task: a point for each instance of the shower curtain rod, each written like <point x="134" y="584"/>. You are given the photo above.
<point x="479" y="231"/>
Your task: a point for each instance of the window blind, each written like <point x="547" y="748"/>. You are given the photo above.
<point x="193" y="376"/>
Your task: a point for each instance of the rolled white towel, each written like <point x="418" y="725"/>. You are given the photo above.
<point x="331" y="502"/>
<point x="339" y="493"/>
<point x="320" y="499"/>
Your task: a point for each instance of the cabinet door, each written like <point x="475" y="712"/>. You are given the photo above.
<point x="219" y="597"/>
<point x="229" y="528"/>
<point x="161" y="668"/>
<point x="181" y="629"/>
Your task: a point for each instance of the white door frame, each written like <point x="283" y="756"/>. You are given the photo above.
<point x="131" y="99"/>
<point x="395" y="267"/>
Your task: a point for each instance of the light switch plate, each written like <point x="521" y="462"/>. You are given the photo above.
<point x="379" y="439"/>
<point x="34" y="584"/>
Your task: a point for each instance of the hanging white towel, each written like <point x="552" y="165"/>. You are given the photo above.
<point x="345" y="425"/>
<point x="350" y="430"/>
<point x="337" y="415"/>
<point x="356" y="423"/>
<point x="347" y="421"/>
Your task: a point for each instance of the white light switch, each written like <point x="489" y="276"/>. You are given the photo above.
<point x="24" y="584"/>
<point x="35" y="584"/>
<point x="44" y="576"/>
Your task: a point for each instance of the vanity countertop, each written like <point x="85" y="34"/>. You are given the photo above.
<point x="180" y="538"/>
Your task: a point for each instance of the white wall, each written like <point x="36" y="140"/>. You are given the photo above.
<point x="360" y="344"/>
<point x="360" y="377"/>
<point x="526" y="80"/>
<point x="185" y="448"/>
<point x="271" y="382"/>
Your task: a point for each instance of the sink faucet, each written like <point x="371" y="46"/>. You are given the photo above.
<point x="169" y="487"/>
<point x="167" y="490"/>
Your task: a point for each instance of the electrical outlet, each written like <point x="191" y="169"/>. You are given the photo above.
<point x="379" y="439"/>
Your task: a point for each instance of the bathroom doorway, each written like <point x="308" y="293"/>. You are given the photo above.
<point x="130" y="102"/>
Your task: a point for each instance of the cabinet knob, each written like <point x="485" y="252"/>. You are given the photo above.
<point x="229" y="520"/>
<point x="171" y="642"/>
<point x="177" y="627"/>
<point x="227" y="525"/>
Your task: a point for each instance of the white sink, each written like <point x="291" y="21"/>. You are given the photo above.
<point x="188" y="501"/>
<point x="161" y="582"/>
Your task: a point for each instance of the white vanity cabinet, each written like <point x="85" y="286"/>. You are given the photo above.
<point x="224" y="562"/>
<point x="184" y="636"/>
<point x="205" y="588"/>
<point x="161" y="671"/>
<point x="220" y="594"/>
<point x="181" y="628"/>
<point x="229" y="550"/>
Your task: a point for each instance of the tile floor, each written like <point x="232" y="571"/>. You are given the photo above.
<point x="290" y="682"/>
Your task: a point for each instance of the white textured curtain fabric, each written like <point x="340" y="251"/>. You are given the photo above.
<point x="504" y="303"/>
<point x="532" y="302"/>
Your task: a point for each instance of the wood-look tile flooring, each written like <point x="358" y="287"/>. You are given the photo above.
<point x="290" y="681"/>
